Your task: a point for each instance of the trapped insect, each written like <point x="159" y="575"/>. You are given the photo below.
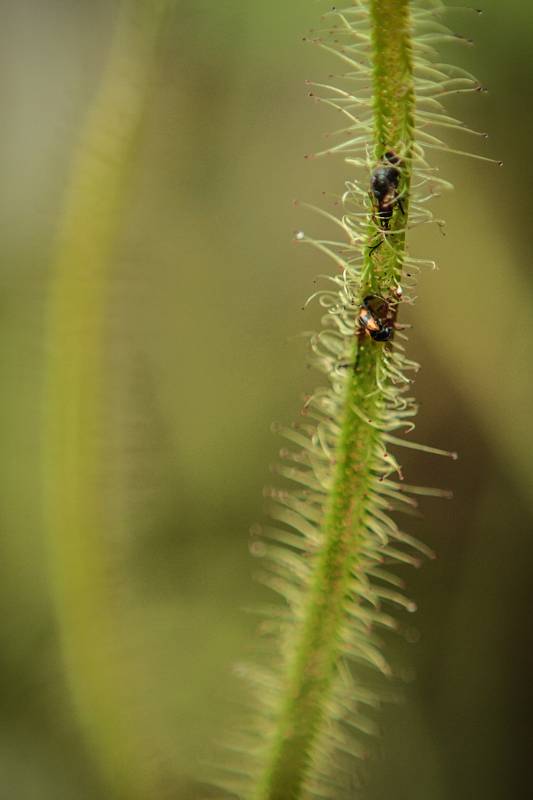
<point x="384" y="188"/>
<point x="384" y="193"/>
<point x="377" y="316"/>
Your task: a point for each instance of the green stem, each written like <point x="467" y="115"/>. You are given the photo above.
<point x="317" y="652"/>
<point x="82" y="535"/>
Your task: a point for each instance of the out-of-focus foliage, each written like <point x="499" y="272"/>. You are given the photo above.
<point x="205" y="292"/>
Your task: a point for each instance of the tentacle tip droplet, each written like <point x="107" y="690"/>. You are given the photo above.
<point x="257" y="549"/>
<point x="412" y="607"/>
<point x="454" y="456"/>
<point x="500" y="163"/>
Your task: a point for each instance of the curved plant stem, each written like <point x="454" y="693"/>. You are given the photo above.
<point x="76" y="481"/>
<point x="314" y="663"/>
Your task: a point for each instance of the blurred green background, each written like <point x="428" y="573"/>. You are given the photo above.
<point x="205" y="297"/>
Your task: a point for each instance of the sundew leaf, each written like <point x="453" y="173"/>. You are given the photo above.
<point x="332" y="553"/>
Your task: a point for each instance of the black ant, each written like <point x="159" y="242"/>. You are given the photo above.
<point x="384" y="191"/>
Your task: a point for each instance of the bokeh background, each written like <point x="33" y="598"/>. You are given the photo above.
<point x="205" y="295"/>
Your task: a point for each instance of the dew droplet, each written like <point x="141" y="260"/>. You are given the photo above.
<point x="258" y="549"/>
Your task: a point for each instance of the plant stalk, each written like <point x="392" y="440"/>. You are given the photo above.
<point x="318" y="650"/>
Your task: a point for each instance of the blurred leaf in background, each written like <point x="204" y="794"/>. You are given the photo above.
<point x="204" y="313"/>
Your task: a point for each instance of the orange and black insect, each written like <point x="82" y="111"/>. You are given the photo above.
<point x="377" y="317"/>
